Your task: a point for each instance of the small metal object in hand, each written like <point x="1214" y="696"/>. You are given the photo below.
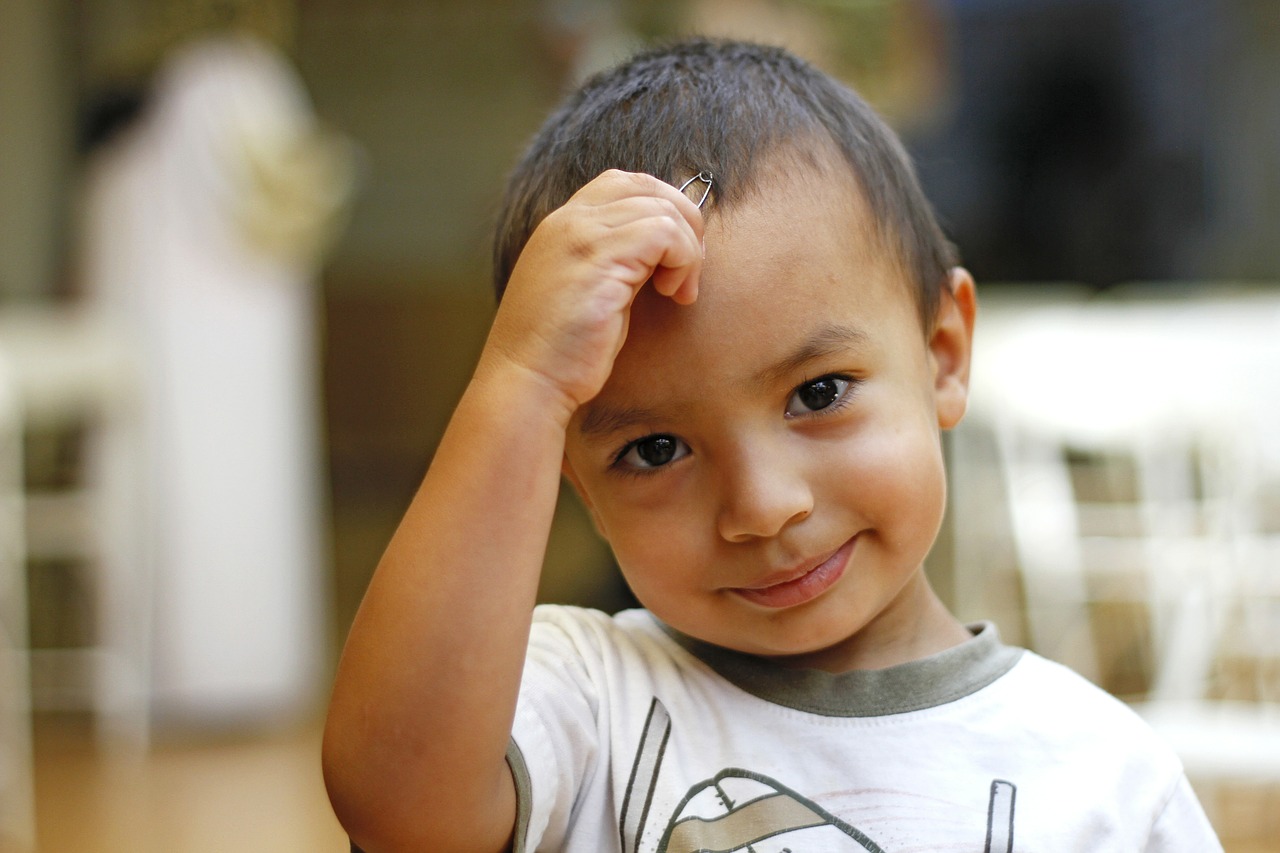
<point x="705" y="177"/>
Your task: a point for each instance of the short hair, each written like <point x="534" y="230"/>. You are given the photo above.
<point x="722" y="106"/>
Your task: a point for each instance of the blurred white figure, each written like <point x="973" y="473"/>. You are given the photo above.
<point x="203" y="227"/>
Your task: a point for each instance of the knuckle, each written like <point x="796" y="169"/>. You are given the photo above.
<point x="578" y="246"/>
<point x="621" y="178"/>
<point x="666" y="207"/>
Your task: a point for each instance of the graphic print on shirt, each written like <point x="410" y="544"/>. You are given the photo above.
<point x="739" y="810"/>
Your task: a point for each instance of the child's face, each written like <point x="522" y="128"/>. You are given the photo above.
<point x="765" y="463"/>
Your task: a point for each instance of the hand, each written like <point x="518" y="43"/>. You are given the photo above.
<point x="565" y="312"/>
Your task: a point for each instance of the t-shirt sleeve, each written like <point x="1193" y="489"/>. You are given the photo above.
<point x="555" y="740"/>
<point x="1181" y="826"/>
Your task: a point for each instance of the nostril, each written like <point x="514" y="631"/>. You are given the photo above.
<point x="763" y="512"/>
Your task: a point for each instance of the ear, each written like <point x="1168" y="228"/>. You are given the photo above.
<point x="951" y="346"/>
<point x="567" y="470"/>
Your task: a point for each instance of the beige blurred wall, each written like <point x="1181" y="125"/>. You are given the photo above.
<point x="441" y="97"/>
<point x="35" y="144"/>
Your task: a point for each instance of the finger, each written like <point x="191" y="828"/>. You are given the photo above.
<point x="618" y="186"/>
<point x="679" y="280"/>
<point x="656" y="249"/>
<point x="680" y="285"/>
<point x="638" y="213"/>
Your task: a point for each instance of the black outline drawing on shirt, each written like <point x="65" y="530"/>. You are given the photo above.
<point x="772" y="810"/>
<point x="778" y="811"/>
<point x="644" y="776"/>
<point x="1000" y="816"/>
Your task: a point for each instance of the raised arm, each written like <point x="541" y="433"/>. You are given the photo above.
<point x="425" y="695"/>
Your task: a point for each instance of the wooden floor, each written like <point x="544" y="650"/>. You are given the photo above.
<point x="1247" y="816"/>
<point x="251" y="793"/>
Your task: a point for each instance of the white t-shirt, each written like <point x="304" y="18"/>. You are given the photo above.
<point x="631" y="737"/>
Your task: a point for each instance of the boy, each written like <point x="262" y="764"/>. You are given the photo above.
<point x="745" y="382"/>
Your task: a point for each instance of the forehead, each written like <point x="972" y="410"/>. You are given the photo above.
<point x="799" y="261"/>
<point x="806" y="208"/>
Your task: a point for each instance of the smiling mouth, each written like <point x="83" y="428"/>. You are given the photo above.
<point x="806" y="585"/>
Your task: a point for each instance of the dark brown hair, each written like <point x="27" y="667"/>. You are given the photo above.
<point x="723" y="106"/>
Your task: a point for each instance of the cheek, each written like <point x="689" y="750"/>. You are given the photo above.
<point x="897" y="475"/>
<point x="656" y="571"/>
<point x="656" y="546"/>
<point x="669" y="558"/>
<point x="649" y="543"/>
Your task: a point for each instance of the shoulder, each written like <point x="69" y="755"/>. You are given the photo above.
<point x="1048" y="687"/>
<point x="1076" y="713"/>
<point x="563" y="635"/>
<point x="1043" y="682"/>
<point x="583" y="625"/>
<point x="1120" y="750"/>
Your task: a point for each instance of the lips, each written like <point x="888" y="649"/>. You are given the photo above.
<point x="801" y="584"/>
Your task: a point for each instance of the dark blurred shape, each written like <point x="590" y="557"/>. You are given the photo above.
<point x="105" y="114"/>
<point x="1078" y="146"/>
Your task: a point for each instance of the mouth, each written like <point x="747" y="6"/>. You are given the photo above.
<point x="801" y="584"/>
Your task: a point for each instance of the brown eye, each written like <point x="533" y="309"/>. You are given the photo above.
<point x="656" y="451"/>
<point x="817" y="395"/>
<point x="652" y="451"/>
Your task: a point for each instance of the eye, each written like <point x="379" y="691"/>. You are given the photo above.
<point x="652" y="451"/>
<point x="817" y="395"/>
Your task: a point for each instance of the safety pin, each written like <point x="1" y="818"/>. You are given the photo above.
<point x="706" y="177"/>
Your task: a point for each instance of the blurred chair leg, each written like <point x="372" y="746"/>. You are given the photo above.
<point x="122" y="689"/>
<point x="17" y="790"/>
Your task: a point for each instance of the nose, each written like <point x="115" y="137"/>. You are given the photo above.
<point x="763" y="491"/>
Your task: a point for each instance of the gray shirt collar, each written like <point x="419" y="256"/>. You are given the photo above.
<point x="913" y="686"/>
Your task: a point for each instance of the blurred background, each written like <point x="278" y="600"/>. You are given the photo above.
<point x="244" y="274"/>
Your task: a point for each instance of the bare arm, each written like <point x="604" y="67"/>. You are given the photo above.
<point x="415" y="742"/>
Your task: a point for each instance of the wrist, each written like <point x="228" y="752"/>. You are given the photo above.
<point x="521" y="392"/>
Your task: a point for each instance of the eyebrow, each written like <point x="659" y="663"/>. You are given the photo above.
<point x="828" y="340"/>
<point x="602" y="420"/>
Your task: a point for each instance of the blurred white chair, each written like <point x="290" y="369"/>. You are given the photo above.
<point x="17" y="794"/>
<point x="71" y="369"/>
<point x="1134" y="444"/>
